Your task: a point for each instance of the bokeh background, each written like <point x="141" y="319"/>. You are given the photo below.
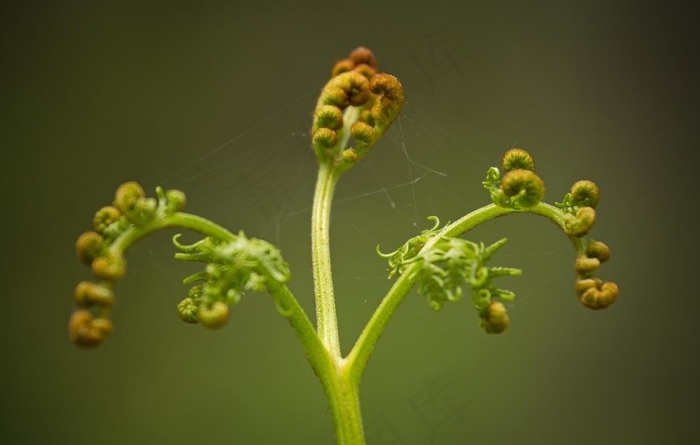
<point x="215" y="98"/>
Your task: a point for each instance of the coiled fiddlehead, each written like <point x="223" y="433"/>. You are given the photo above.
<point x="103" y="248"/>
<point x="358" y="102"/>
<point x="442" y="265"/>
<point x="520" y="188"/>
<point x="578" y="206"/>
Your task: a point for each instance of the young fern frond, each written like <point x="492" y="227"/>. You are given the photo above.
<point x="235" y="264"/>
<point x="358" y="104"/>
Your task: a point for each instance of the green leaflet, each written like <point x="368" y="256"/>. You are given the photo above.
<point x="232" y="268"/>
<point x="449" y="264"/>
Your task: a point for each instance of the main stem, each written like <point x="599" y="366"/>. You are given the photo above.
<point x="338" y="380"/>
<point x="326" y="320"/>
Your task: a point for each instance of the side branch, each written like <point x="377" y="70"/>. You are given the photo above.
<point x="361" y="351"/>
<point x="316" y="353"/>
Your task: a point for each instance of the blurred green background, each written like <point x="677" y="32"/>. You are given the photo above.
<point x="215" y="98"/>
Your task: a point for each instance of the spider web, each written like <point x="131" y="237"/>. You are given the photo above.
<point x="419" y="168"/>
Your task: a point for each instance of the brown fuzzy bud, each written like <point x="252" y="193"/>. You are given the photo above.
<point x="131" y="200"/>
<point x="329" y="116"/>
<point x="214" y="317"/>
<point x="582" y="285"/>
<point x="324" y="139"/>
<point x="334" y="96"/>
<point x="109" y="267"/>
<point x="517" y="158"/>
<point x="585" y="194"/>
<point x="366" y="116"/>
<point x="105" y="217"/>
<point x="351" y="156"/>
<point x="92" y="294"/>
<point x="365" y="70"/>
<point x="585" y="265"/>
<point x="598" y="249"/>
<point x="86" y="331"/>
<point x="127" y="196"/>
<point x="342" y="66"/>
<point x="496" y="319"/>
<point x="391" y="99"/>
<point x="388" y="87"/>
<point x="89" y="246"/>
<point x="524" y="187"/>
<point x="363" y="133"/>
<point x="362" y="55"/>
<point x="581" y="223"/>
<point x="356" y="86"/>
<point x="600" y="298"/>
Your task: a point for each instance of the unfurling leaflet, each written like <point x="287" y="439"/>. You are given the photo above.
<point x="447" y="265"/>
<point x="232" y="268"/>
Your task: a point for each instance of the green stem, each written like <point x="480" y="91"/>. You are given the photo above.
<point x="365" y="344"/>
<point x="181" y="220"/>
<point x="321" y="362"/>
<point x="338" y="381"/>
<point x="326" y="320"/>
<point x="344" y="397"/>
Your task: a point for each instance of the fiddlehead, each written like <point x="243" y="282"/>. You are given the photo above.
<point x="235" y="264"/>
<point x="441" y="264"/>
<point x="358" y="102"/>
<point x="579" y="216"/>
<point x="103" y="251"/>
<point x="520" y="188"/>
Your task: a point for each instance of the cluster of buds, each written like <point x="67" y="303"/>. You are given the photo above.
<point x="520" y="187"/>
<point x="358" y="102"/>
<point x="593" y="292"/>
<point x="99" y="249"/>
<point x="232" y="268"/>
<point x="579" y="207"/>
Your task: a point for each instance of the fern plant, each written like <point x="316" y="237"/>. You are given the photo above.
<point x="354" y="109"/>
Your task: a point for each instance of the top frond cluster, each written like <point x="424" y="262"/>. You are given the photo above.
<point x="358" y="102"/>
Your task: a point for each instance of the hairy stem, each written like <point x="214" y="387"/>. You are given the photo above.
<point x="319" y="359"/>
<point x="326" y="320"/>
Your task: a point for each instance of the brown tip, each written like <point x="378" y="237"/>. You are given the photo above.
<point x="362" y="55"/>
